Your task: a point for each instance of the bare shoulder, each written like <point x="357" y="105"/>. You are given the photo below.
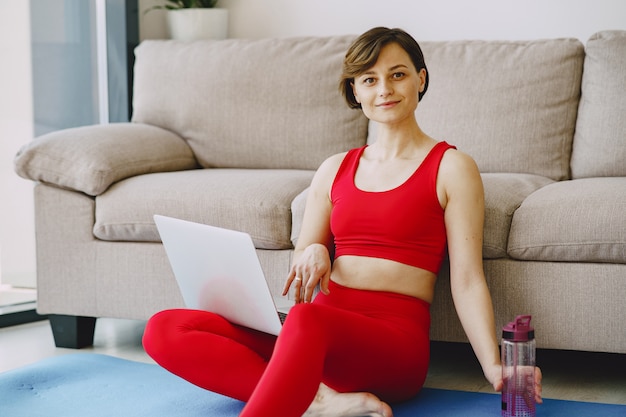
<point x="457" y="162"/>
<point x="327" y="171"/>
<point x="459" y="175"/>
<point x="457" y="166"/>
<point x="333" y="162"/>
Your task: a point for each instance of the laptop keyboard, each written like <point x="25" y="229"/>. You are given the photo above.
<point x="282" y="317"/>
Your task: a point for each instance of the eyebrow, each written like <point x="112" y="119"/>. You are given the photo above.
<point x="395" y="67"/>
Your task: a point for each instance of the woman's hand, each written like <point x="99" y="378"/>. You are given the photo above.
<point x="311" y="267"/>
<point x="538" y="386"/>
<point x="494" y="376"/>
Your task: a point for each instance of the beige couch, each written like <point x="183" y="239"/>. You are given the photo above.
<point x="230" y="133"/>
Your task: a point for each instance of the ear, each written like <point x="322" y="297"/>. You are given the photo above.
<point x="422" y="77"/>
<point x="356" y="97"/>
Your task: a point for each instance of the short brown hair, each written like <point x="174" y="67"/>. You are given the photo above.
<point x="364" y="52"/>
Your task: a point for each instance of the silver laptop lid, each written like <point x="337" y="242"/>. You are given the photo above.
<point x="218" y="270"/>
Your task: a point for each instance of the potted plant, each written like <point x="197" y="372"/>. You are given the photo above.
<point x="195" y="19"/>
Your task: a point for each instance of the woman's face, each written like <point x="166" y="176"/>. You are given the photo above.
<point x="388" y="91"/>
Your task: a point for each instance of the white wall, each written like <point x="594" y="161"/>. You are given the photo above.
<point x="424" y="19"/>
<point x="17" y="230"/>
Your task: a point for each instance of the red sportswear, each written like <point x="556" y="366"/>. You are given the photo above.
<point x="404" y="224"/>
<point x="352" y="340"/>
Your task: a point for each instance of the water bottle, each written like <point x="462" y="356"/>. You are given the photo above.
<point x="518" y="368"/>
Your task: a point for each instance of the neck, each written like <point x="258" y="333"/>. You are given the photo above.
<point x="399" y="141"/>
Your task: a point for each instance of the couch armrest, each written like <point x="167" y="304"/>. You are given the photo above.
<point x="89" y="159"/>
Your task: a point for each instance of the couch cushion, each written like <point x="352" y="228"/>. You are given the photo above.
<point x="580" y="221"/>
<point x="510" y="105"/>
<point x="254" y="201"/>
<point x="90" y="158"/>
<point x="503" y="195"/>
<point x="268" y="103"/>
<point x="600" y="140"/>
<point x="297" y="215"/>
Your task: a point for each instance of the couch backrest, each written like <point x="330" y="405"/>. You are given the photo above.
<point x="600" y="139"/>
<point x="510" y="105"/>
<point x="269" y="103"/>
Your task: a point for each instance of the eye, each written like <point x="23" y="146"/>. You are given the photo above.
<point x="368" y="80"/>
<point x="397" y="75"/>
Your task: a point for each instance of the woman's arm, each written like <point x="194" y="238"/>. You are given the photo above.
<point x="464" y="217"/>
<point x="311" y="259"/>
<point x="463" y="197"/>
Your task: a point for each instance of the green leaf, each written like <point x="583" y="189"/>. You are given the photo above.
<point x="185" y="4"/>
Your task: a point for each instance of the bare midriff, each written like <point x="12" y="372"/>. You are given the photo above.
<point x="377" y="274"/>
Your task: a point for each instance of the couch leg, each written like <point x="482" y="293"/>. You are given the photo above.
<point x="74" y="332"/>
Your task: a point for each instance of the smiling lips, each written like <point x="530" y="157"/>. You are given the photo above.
<point x="387" y="104"/>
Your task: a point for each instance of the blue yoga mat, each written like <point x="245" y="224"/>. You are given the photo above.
<point x="86" y="384"/>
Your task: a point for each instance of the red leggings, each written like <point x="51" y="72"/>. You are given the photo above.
<point x="352" y="340"/>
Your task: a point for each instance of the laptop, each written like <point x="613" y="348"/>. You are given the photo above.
<point x="218" y="270"/>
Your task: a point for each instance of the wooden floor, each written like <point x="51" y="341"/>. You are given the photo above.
<point x="567" y="375"/>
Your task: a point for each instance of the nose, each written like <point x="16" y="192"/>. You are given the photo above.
<point x="385" y="88"/>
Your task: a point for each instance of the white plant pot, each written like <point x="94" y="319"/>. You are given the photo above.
<point x="194" y="24"/>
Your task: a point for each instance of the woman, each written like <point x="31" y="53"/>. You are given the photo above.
<point x="385" y="212"/>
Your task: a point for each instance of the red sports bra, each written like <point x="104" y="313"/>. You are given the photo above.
<point x="404" y="224"/>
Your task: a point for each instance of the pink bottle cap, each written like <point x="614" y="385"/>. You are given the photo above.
<point x="519" y="330"/>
